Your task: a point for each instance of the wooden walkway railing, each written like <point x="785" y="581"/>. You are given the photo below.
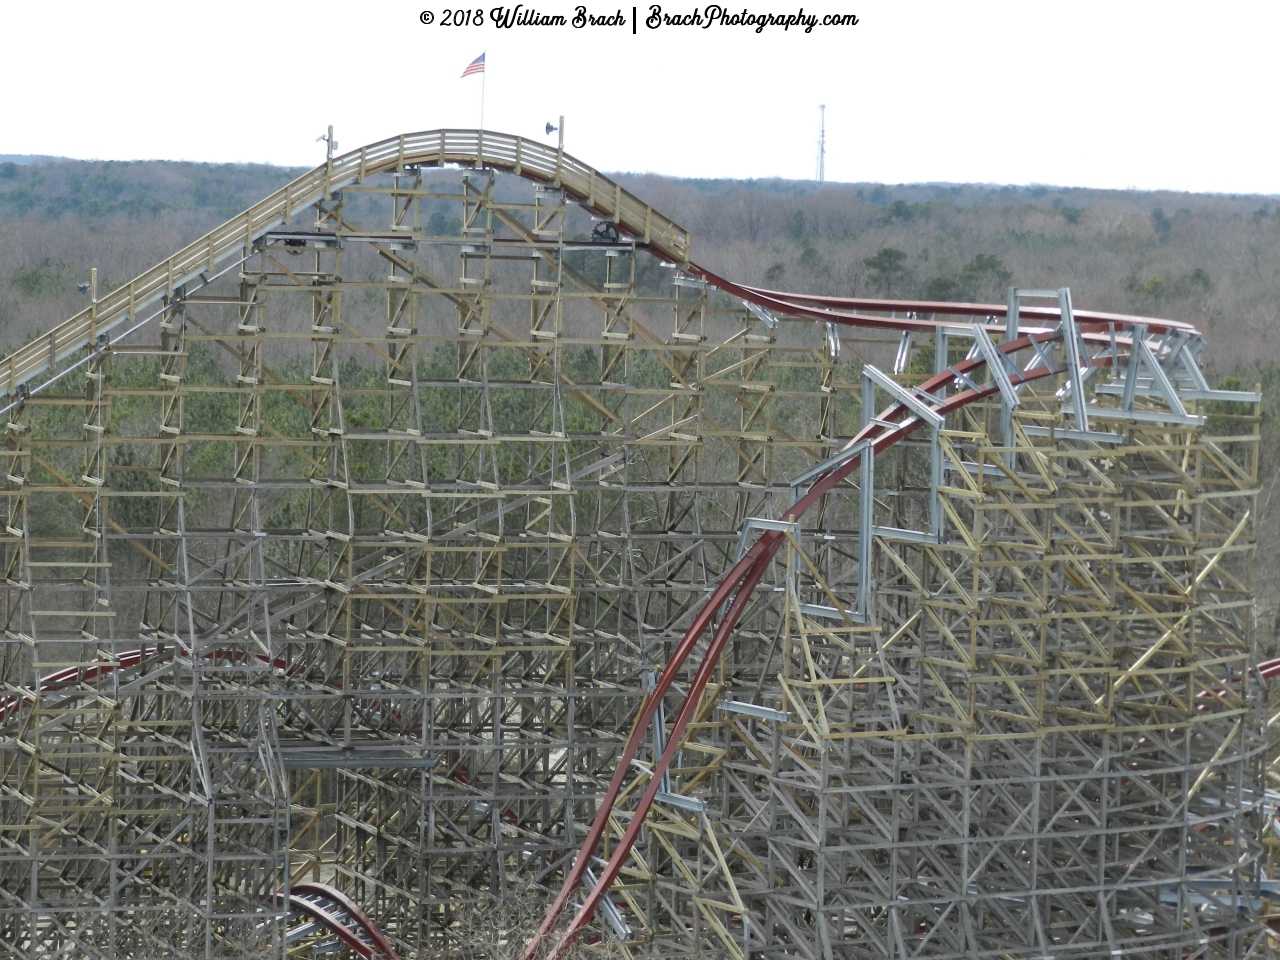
<point x="526" y="158"/>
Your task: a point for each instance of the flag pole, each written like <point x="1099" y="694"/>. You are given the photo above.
<point x="483" y="75"/>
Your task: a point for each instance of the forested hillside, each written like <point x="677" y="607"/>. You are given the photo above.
<point x="1210" y="259"/>
<point x="58" y="219"/>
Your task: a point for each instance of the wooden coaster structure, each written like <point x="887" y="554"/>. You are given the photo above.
<point x="437" y="533"/>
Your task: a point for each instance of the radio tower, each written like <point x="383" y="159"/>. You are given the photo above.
<point x="822" y="142"/>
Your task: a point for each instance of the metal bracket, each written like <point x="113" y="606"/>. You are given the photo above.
<point x="760" y="523"/>
<point x="871" y="378"/>
<point x="1176" y="379"/>
<point x="1140" y="356"/>
<point x="680" y="801"/>
<point x="612" y="915"/>
<point x="1079" y="370"/>
<point x="1187" y="361"/>
<point x="1093" y="436"/>
<point x="1000" y="364"/>
<point x="1076" y="353"/>
<point x="659" y="726"/>
<point x="996" y="360"/>
<point x="761" y="314"/>
<point x="753" y="710"/>
<point x="870" y="375"/>
<point x="903" y="359"/>
<point x="793" y="569"/>
<point x="683" y="280"/>
<point x="802" y="481"/>
<point x="831" y="613"/>
<point x="866" y="519"/>
<point x="868" y="531"/>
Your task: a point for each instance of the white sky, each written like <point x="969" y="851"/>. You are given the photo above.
<point x="1100" y="94"/>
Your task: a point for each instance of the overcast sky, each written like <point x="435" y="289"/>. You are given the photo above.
<point x="1117" y="94"/>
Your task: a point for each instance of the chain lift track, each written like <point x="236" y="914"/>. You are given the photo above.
<point x="348" y="603"/>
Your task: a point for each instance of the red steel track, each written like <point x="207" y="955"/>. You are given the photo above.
<point x="336" y="913"/>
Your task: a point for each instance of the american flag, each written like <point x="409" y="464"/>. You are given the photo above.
<point x="475" y="66"/>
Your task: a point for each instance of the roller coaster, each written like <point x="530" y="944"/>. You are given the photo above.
<point x="437" y="535"/>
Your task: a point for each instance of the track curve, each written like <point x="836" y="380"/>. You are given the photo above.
<point x="325" y="908"/>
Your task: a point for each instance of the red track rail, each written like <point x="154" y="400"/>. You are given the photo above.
<point x="72" y="677"/>
<point x="338" y="914"/>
